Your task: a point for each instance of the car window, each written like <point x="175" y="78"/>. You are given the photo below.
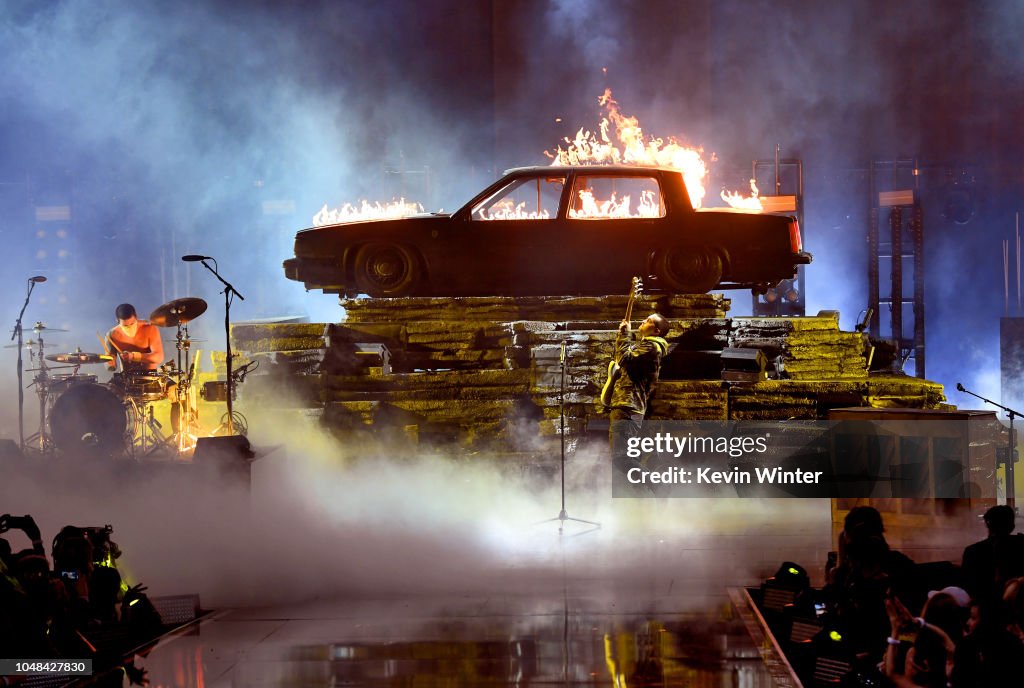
<point x="526" y="198"/>
<point x="596" y="197"/>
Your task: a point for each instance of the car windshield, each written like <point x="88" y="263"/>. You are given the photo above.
<point x="525" y="198"/>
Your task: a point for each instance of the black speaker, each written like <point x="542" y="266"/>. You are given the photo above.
<point x="744" y="365"/>
<point x="10" y="452"/>
<point x="223" y="450"/>
<point x="743" y="359"/>
<point x="227" y="458"/>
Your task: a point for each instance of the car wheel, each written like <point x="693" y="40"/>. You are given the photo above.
<point x="689" y="270"/>
<point x="385" y="269"/>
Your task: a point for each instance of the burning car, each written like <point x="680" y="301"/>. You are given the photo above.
<point x="555" y="230"/>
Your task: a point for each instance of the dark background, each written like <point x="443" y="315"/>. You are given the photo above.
<point x="160" y="128"/>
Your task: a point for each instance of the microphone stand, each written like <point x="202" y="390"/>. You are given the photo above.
<point x="229" y="290"/>
<point x="1011" y="456"/>
<point x="563" y="515"/>
<point x="21" y="389"/>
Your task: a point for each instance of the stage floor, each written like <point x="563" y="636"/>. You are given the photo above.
<point x="497" y="640"/>
<point x="641" y="602"/>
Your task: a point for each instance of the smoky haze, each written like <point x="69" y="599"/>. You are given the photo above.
<point x="168" y="128"/>
<point x="328" y="518"/>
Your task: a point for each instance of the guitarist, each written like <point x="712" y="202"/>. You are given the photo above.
<point x="641" y="362"/>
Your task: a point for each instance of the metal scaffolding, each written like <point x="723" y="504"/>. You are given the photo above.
<point x="904" y="246"/>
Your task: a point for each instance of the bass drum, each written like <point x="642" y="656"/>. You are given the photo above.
<point x="89" y="420"/>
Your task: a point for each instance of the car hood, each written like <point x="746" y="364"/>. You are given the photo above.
<point x="382" y="222"/>
<point x="325" y="240"/>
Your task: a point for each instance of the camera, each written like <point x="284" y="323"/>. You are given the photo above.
<point x="8" y="522"/>
<point x="69" y="575"/>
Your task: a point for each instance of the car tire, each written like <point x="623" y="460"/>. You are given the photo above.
<point x="386" y="269"/>
<point x="688" y="269"/>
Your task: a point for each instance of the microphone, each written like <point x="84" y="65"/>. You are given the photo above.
<point x="238" y="376"/>
<point x="37" y="279"/>
<point x="193" y="258"/>
<point x="959" y="387"/>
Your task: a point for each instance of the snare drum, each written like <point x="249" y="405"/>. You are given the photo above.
<point x="149" y="386"/>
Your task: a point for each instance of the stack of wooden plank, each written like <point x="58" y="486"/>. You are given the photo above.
<point x="488" y="372"/>
<point x="809" y="348"/>
<point x="537" y="308"/>
<point x="691" y="400"/>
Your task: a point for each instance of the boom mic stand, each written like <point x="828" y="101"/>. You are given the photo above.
<point x="563" y="515"/>
<point x="32" y="281"/>
<point x="229" y="293"/>
<point x="1011" y="455"/>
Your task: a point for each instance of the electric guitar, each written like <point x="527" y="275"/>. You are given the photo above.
<point x="614" y="370"/>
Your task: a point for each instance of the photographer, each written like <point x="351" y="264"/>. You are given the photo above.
<point x="29" y="600"/>
<point x="73" y="564"/>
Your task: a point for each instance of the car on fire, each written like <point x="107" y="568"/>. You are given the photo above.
<point x="583" y="230"/>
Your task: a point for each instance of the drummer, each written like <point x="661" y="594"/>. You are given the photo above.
<point x="136" y="342"/>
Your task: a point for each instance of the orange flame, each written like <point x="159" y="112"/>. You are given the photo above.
<point x="504" y="210"/>
<point x="631" y="147"/>
<point x="592" y="208"/>
<point x="738" y="200"/>
<point x="366" y="211"/>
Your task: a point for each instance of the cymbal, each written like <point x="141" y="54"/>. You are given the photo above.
<point x="80" y="357"/>
<point x="30" y="344"/>
<point x="40" y="327"/>
<point x="178" y="312"/>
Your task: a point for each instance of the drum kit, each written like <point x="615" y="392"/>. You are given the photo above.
<point x="80" y="416"/>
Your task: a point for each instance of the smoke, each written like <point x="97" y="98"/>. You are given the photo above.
<point x="589" y="28"/>
<point x="329" y="521"/>
<point x="328" y="517"/>
<point x="217" y="131"/>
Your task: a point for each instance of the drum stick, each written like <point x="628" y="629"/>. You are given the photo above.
<point x="106" y="349"/>
<point x="103" y="343"/>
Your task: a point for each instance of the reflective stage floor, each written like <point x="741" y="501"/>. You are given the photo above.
<point x="488" y="641"/>
<point x="640" y="602"/>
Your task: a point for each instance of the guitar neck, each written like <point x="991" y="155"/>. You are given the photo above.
<point x="634" y="289"/>
<point x="629" y="316"/>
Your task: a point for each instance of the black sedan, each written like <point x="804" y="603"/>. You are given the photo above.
<point x="555" y="231"/>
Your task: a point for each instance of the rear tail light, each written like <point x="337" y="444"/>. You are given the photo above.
<point x="795" y="244"/>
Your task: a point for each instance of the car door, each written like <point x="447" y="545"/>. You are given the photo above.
<point x="516" y="222"/>
<point x="612" y="217"/>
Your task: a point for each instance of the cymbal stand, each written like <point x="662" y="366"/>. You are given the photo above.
<point x="41" y="381"/>
<point x="152" y="439"/>
<point x="17" y="333"/>
<point x="184" y="383"/>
